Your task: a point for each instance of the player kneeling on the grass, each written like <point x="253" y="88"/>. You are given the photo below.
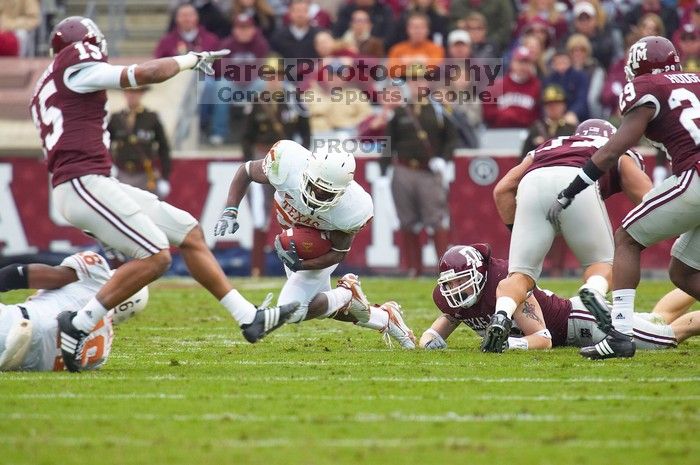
<point x="29" y="331"/>
<point x="68" y="109"/>
<point x="466" y="293"/>
<point x="585" y="227"/>
<point x="317" y="191"/>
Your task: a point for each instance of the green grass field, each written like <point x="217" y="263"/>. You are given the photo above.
<point x="183" y="387"/>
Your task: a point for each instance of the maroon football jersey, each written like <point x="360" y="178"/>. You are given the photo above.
<point x="575" y="151"/>
<point x="674" y="128"/>
<point x="554" y="309"/>
<point x="72" y="126"/>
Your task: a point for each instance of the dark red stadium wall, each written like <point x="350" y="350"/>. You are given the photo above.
<point x="474" y="218"/>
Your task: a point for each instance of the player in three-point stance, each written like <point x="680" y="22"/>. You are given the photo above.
<point x="68" y="108"/>
<point x="317" y="190"/>
<point x="466" y="293"/>
<point x="29" y="330"/>
<point x="586" y="229"/>
<point x="661" y="103"/>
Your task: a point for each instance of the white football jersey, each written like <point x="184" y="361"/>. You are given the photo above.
<point x="284" y="165"/>
<point x="44" y="306"/>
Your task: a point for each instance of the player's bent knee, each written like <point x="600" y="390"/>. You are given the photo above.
<point x="623" y="238"/>
<point x="160" y="261"/>
<point x="194" y="238"/>
<point x="678" y="272"/>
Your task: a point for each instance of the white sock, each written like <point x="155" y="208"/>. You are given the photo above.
<point x="239" y="307"/>
<point x="623" y="310"/>
<point x="89" y="315"/>
<point x="507" y="305"/>
<point x="337" y="299"/>
<point x="378" y="319"/>
<point x="597" y="283"/>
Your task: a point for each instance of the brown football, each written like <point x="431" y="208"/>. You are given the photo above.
<point x="311" y="243"/>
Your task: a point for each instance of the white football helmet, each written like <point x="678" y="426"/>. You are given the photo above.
<point x="325" y="179"/>
<point x="131" y="306"/>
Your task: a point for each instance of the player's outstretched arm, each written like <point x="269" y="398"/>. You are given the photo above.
<point x="35" y="276"/>
<point x="162" y="69"/>
<point x="529" y="319"/>
<point x="251" y="171"/>
<point x="435" y="337"/>
<point x="506" y="189"/>
<point x="635" y="182"/>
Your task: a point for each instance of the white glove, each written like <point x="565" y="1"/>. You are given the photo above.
<point x="437" y="165"/>
<point x="205" y="60"/>
<point x="163" y="188"/>
<point x="436" y="343"/>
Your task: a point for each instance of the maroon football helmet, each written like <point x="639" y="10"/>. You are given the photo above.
<point x="651" y="55"/>
<point x="595" y="128"/>
<point x="463" y="274"/>
<point x="76" y="29"/>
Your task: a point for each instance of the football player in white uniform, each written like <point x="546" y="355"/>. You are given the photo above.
<point x="317" y="190"/>
<point x="29" y="331"/>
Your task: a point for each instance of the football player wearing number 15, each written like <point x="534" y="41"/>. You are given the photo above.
<point x="661" y="103"/>
<point x="586" y="227"/>
<point x="68" y="108"/>
<point x="317" y="190"/>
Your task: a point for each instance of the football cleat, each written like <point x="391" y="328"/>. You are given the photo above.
<point x="396" y="328"/>
<point x="599" y="307"/>
<point x="497" y="332"/>
<point x="72" y="340"/>
<point x="358" y="305"/>
<point x="267" y="319"/>
<point x="614" y="345"/>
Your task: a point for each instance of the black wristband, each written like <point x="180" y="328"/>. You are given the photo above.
<point x="578" y="184"/>
<point x="13" y="277"/>
<point x="592" y="171"/>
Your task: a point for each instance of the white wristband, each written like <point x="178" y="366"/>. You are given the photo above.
<point x="433" y="333"/>
<point x="187" y="61"/>
<point x="131" y="75"/>
<point x="519" y="343"/>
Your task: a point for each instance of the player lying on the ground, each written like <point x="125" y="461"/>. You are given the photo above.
<point x="317" y="191"/>
<point x="68" y="108"/>
<point x="29" y="330"/>
<point x="466" y="293"/>
<point x="585" y="227"/>
<point x="661" y="103"/>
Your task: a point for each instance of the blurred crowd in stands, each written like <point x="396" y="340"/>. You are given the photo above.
<point x="564" y="59"/>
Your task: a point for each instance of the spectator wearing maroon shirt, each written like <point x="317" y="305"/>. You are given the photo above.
<point x="297" y="39"/>
<point x="687" y="41"/>
<point x="516" y="105"/>
<point x="381" y="14"/>
<point x="615" y="80"/>
<point x="187" y="35"/>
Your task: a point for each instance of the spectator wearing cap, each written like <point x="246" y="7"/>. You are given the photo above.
<point x="247" y="44"/>
<point x="359" y="39"/>
<point x="459" y="45"/>
<point x="382" y="17"/>
<point x="187" y="35"/>
<point x="667" y="14"/>
<point x="580" y="52"/>
<point x="438" y="22"/>
<point x="297" y="39"/>
<point x="544" y="10"/>
<point x="687" y="41"/>
<point x="556" y="120"/>
<point x="318" y="17"/>
<point x="516" y="103"/>
<point x="499" y="15"/>
<point x="476" y="25"/>
<point x="606" y="42"/>
<point x="261" y="12"/>
<point x="418" y="49"/>
<point x="574" y="83"/>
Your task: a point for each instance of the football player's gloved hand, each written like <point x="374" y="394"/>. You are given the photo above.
<point x="228" y="222"/>
<point x="205" y="60"/>
<point x="162" y="188"/>
<point x="496" y="338"/>
<point x="288" y="257"/>
<point x="436" y="343"/>
<point x="557" y="207"/>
